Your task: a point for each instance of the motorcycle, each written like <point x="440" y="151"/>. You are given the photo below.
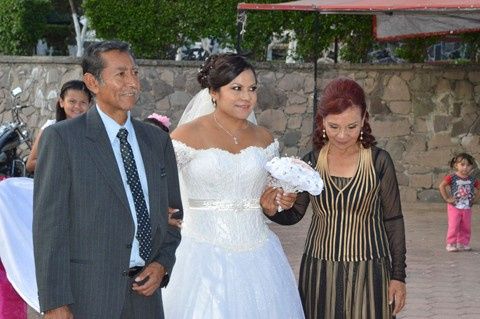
<point x="13" y="135"/>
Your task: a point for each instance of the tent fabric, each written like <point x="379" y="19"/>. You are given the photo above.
<point x="394" y="20"/>
<point x="404" y="26"/>
<point x="372" y="6"/>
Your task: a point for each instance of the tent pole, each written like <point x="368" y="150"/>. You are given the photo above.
<point x="316" y="26"/>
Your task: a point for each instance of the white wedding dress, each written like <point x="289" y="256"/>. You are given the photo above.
<point x="229" y="264"/>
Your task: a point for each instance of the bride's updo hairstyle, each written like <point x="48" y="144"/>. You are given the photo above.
<point x="339" y="95"/>
<point x="220" y="69"/>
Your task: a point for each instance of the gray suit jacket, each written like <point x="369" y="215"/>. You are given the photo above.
<point x="82" y="225"/>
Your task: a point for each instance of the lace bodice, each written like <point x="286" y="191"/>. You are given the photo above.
<point x="221" y="200"/>
<point x="216" y="174"/>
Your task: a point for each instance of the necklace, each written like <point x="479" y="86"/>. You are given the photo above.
<point x="235" y="140"/>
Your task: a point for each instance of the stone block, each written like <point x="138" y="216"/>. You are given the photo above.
<point x="441" y="123"/>
<point x="458" y="128"/>
<point x="296" y="109"/>
<point x="400" y="107"/>
<point x="463" y="90"/>
<point x="274" y="120"/>
<point x="422" y="105"/>
<point x="408" y="194"/>
<point x="407" y="75"/>
<point x="291" y="138"/>
<point x="167" y="76"/>
<point x="294" y="122"/>
<point x="391" y="127"/>
<point x="430" y="196"/>
<point x="454" y="74"/>
<point x="441" y="140"/>
<point x="443" y="86"/>
<point x="161" y="89"/>
<point x="292" y="82"/>
<point x="471" y="143"/>
<point x="270" y="98"/>
<point x="377" y="106"/>
<point x="420" y="125"/>
<point x="474" y="76"/>
<point x="428" y="159"/>
<point x="402" y="179"/>
<point x="395" y="148"/>
<point x="396" y="90"/>
<point x="180" y="99"/>
<point x="416" y="169"/>
<point x="369" y="85"/>
<point x="421" y="181"/>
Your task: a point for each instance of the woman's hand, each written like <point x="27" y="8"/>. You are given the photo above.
<point x="397" y="292"/>
<point x="273" y="198"/>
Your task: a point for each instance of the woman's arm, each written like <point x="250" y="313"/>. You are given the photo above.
<point x="32" y="158"/>
<point x="392" y="213"/>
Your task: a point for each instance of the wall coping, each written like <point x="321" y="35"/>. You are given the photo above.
<point x="259" y="65"/>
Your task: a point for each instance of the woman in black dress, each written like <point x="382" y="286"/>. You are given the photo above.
<point x="353" y="265"/>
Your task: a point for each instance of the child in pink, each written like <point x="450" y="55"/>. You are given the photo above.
<point x="463" y="192"/>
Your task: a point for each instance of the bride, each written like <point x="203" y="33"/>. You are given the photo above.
<point x="229" y="264"/>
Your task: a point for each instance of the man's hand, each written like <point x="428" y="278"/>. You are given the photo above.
<point x="62" y="312"/>
<point x="152" y="275"/>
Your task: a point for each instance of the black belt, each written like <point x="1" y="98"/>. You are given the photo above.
<point x="132" y="272"/>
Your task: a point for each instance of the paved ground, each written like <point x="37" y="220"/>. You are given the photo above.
<point x="440" y="285"/>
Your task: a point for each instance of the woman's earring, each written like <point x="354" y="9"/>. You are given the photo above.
<point x="361" y="135"/>
<point x="214" y="103"/>
<point x="324" y="135"/>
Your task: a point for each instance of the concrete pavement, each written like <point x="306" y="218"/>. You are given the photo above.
<point x="440" y="285"/>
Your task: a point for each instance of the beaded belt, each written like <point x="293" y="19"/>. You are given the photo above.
<point x="235" y="225"/>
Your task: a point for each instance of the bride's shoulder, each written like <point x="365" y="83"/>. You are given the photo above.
<point x="263" y="135"/>
<point x="190" y="132"/>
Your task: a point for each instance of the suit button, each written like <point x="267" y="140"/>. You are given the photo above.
<point x="129" y="246"/>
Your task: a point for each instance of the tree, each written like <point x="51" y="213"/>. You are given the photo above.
<point x="22" y="23"/>
<point x="79" y="31"/>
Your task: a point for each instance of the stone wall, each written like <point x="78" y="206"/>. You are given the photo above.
<point x="422" y="114"/>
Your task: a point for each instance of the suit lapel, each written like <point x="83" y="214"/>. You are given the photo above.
<point x="103" y="155"/>
<point x="151" y="164"/>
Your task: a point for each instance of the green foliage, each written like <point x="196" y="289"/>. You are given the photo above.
<point x="22" y="22"/>
<point x="155" y="28"/>
<point x="415" y="50"/>
<point x="472" y="40"/>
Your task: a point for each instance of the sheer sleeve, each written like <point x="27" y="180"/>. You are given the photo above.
<point x="392" y="212"/>
<point x="295" y="214"/>
<point x="183" y="153"/>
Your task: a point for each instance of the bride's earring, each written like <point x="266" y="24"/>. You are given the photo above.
<point x="214" y="102"/>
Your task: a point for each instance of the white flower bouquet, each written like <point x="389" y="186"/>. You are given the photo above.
<point x="294" y="175"/>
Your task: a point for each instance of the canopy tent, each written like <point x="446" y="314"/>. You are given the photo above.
<point x="393" y="20"/>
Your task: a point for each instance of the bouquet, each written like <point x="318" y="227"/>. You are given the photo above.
<point x="294" y="175"/>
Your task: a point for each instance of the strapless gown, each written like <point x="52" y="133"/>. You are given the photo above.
<point x="229" y="263"/>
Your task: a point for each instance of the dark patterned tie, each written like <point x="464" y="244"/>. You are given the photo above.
<point x="144" y="228"/>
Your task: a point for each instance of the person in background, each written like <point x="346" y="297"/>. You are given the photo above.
<point x="463" y="192"/>
<point x="16" y="215"/>
<point x="353" y="264"/>
<point x="75" y="99"/>
<point x="163" y="122"/>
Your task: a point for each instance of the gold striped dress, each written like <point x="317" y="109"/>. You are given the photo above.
<point x="356" y="240"/>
